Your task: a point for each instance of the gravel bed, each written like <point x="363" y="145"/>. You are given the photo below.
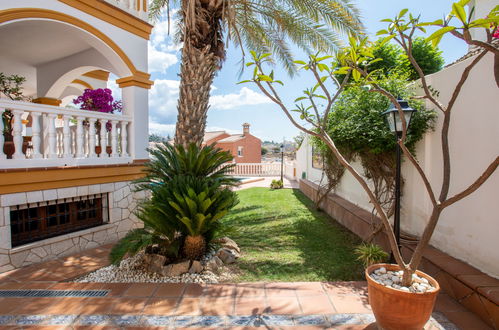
<point x="131" y="270"/>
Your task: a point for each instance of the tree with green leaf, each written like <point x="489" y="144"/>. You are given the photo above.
<point x="353" y="59"/>
<point x="205" y="26"/>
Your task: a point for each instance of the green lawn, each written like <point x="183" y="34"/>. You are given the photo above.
<point x="283" y="238"/>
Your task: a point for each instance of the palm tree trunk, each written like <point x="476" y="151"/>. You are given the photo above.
<point x="202" y="54"/>
<point x="196" y="76"/>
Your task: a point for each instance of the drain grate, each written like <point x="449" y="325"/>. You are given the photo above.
<point x="53" y="293"/>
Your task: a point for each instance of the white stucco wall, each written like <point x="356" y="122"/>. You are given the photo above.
<point x="134" y="46"/>
<point x="468" y="229"/>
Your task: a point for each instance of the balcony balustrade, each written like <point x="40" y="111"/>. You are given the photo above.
<point x="45" y="136"/>
<point x="137" y="8"/>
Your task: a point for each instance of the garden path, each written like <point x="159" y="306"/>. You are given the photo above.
<point x="306" y="305"/>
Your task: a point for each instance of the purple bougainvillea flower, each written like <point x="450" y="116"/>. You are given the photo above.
<point x="100" y="99"/>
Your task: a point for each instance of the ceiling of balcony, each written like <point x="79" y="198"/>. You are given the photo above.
<point x="38" y="42"/>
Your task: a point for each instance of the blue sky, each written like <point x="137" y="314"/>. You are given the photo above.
<point x="233" y="104"/>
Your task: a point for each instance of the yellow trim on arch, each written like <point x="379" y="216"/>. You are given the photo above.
<point x="83" y="83"/>
<point x="98" y="74"/>
<point x="113" y="15"/>
<point x="47" y="101"/>
<point x="139" y="79"/>
<point x="20" y="13"/>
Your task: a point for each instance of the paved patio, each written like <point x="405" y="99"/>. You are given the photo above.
<point x="314" y="305"/>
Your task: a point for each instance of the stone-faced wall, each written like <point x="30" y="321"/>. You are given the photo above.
<point x="122" y="205"/>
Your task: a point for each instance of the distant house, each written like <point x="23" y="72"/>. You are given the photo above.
<point x="245" y="147"/>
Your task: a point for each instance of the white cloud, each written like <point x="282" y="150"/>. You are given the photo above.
<point x="245" y="97"/>
<point x="160" y="61"/>
<point x="162" y="34"/>
<point x="162" y="50"/>
<point x="163" y="100"/>
<point x="161" y="129"/>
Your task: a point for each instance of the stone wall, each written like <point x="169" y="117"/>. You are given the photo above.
<point x="122" y="204"/>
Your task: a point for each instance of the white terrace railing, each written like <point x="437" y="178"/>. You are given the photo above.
<point x="45" y="135"/>
<point x="137" y="8"/>
<point x="256" y="169"/>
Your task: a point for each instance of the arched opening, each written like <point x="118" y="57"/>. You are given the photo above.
<point x="51" y="53"/>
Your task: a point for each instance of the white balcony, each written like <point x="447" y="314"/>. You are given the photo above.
<point x="49" y="136"/>
<point x="137" y="8"/>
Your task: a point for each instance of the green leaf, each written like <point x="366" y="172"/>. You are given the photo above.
<point x="463" y="2"/>
<point x="244" y="82"/>
<point x="300" y="98"/>
<point x="459" y="12"/>
<point x="250" y="64"/>
<point x="403" y="12"/>
<point x="437" y="35"/>
<point x="437" y="22"/>
<point x="322" y="67"/>
<point x="484" y="22"/>
<point x="356" y="75"/>
<point x="387" y="20"/>
<point x="386" y="39"/>
<point x="320" y="59"/>
<point x="263" y="77"/>
<point x="300" y="62"/>
<point x="381" y="32"/>
<point x="265" y="55"/>
<point x="253" y="54"/>
<point x="279" y="82"/>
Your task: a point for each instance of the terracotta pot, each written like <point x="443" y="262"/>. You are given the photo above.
<point x="98" y="150"/>
<point x="397" y="309"/>
<point x="8" y="145"/>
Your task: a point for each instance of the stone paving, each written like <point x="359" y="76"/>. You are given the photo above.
<point x="307" y="305"/>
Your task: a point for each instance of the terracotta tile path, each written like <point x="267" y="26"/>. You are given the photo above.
<point x="312" y="305"/>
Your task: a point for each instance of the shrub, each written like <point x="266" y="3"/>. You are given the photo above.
<point x="190" y="194"/>
<point x="370" y="254"/>
<point x="428" y="57"/>
<point x="276" y="184"/>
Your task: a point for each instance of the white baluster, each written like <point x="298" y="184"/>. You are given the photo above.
<point x="114" y="139"/>
<point x="124" y="139"/>
<point x="91" y="138"/>
<point x="103" y="138"/>
<point x="79" y="137"/>
<point x="36" y="140"/>
<point x="66" y="137"/>
<point x="2" y="139"/>
<point x="17" y="133"/>
<point x="52" y="136"/>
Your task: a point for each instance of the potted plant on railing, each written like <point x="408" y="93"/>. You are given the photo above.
<point x="10" y="87"/>
<point x="407" y="304"/>
<point x="100" y="100"/>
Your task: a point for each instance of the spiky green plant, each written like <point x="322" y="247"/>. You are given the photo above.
<point x="189" y="196"/>
<point x="370" y="254"/>
<point x="168" y="162"/>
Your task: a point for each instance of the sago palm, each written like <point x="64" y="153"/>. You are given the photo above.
<point x="168" y="162"/>
<point x="260" y="25"/>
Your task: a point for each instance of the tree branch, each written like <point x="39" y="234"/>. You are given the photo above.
<point x="475" y="185"/>
<point x="444" y="191"/>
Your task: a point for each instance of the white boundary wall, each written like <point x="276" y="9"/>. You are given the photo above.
<point x="469" y="229"/>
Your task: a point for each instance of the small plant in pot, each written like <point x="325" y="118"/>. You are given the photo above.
<point x="100" y="100"/>
<point x="407" y="304"/>
<point x="10" y="87"/>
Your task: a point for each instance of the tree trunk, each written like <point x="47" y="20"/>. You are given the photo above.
<point x="197" y="73"/>
<point x="202" y="54"/>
